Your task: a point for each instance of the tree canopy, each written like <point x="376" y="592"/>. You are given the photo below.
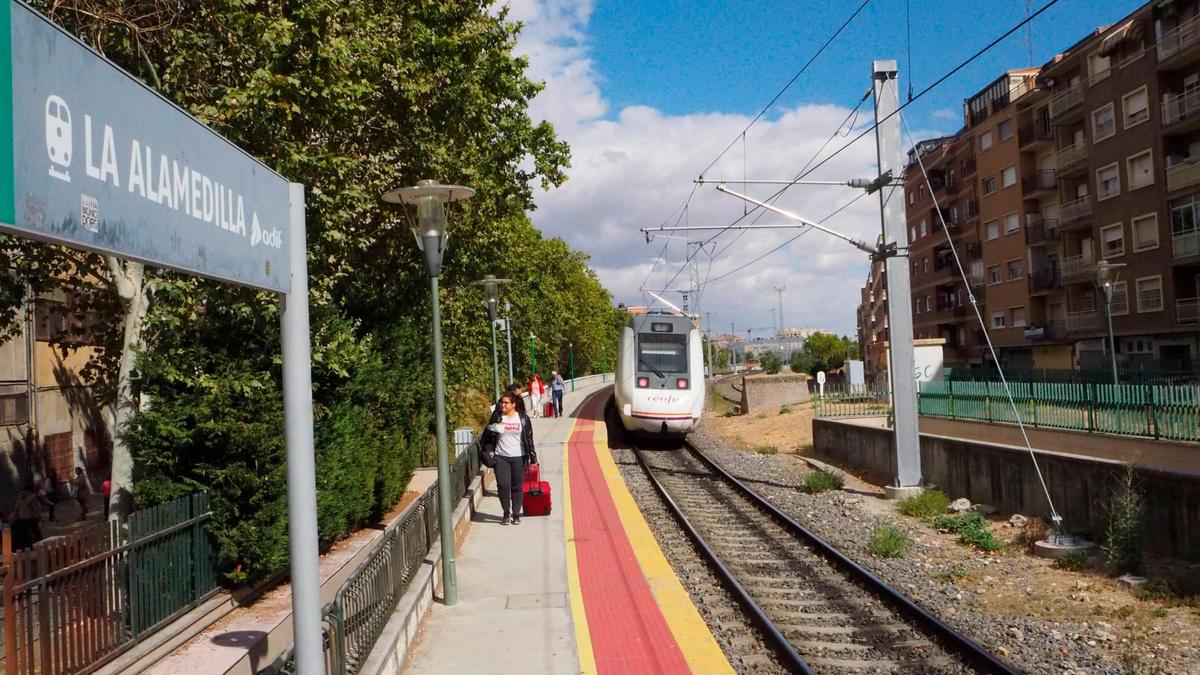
<point x="821" y="352"/>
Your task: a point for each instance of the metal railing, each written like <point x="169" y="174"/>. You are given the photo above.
<point x="1066" y="100"/>
<point x="1083" y="321"/>
<point x="1176" y="40"/>
<point x="1040" y="180"/>
<point x="1041" y="232"/>
<point x="1185" y="245"/>
<point x="365" y="602"/>
<point x="1071" y="155"/>
<point x="1180" y="107"/>
<point x="851" y="401"/>
<point x="1155" y="411"/>
<point x="1038" y="131"/>
<point x="1077" y="268"/>
<point x="1187" y="311"/>
<point x="1045" y="280"/>
<point x="76" y="602"/>
<point x="1075" y="210"/>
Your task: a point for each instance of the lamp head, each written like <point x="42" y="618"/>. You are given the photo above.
<point x="491" y="292"/>
<point x="1107" y="273"/>
<point x="428" y="218"/>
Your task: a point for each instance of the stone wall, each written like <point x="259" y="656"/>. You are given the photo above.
<point x="1004" y="476"/>
<point x="767" y="393"/>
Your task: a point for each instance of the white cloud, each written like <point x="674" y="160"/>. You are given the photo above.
<point x="946" y="115"/>
<point x="632" y="169"/>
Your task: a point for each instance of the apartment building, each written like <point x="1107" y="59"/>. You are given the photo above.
<point x="872" y="315"/>
<point x="1093" y="157"/>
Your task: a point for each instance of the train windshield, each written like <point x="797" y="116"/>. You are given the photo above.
<point x="660" y="353"/>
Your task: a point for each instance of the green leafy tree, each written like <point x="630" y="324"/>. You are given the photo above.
<point x="771" y="363"/>
<point x="821" y="352"/>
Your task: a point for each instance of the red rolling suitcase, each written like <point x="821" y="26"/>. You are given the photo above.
<point x="548" y="410"/>
<point x="536" y="500"/>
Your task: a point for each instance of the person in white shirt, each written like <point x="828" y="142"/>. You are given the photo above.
<point x="536" y="390"/>
<point x="511" y="433"/>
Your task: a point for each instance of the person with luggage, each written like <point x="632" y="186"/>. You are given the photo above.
<point x="557" y="388"/>
<point x="536" y="390"/>
<point x="511" y="433"/>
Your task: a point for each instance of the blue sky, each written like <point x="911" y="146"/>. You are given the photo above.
<point x="687" y="57"/>
<point x="649" y="92"/>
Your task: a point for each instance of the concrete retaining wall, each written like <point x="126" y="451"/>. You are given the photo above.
<point x="729" y="388"/>
<point x="766" y="393"/>
<point x="1004" y="476"/>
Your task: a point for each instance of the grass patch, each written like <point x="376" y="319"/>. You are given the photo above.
<point x="971" y="529"/>
<point x="953" y="573"/>
<point x="929" y="504"/>
<point x="822" y="481"/>
<point x="1177" y="592"/>
<point x="888" y="541"/>
<point x="766" y="450"/>
<point x="1073" y="561"/>
<point x="783" y="410"/>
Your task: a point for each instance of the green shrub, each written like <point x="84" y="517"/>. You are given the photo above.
<point x="1123" y="549"/>
<point x="822" y="481"/>
<point x="888" y="541"/>
<point x="928" y="504"/>
<point x="766" y="450"/>
<point x="953" y="573"/>
<point x="771" y="363"/>
<point x="1073" y="561"/>
<point x="783" y="410"/>
<point x="971" y="529"/>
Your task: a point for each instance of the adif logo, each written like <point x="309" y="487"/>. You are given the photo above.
<point x="261" y="235"/>
<point x="58" y="137"/>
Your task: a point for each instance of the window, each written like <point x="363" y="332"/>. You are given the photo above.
<point x="921" y="189"/>
<point x="1008" y="176"/>
<point x="1145" y="232"/>
<point x="1112" y="241"/>
<point x="1136" y="107"/>
<point x="1104" y="124"/>
<point x="998" y="319"/>
<point x="992" y="228"/>
<point x="1098" y="67"/>
<point x="1131" y="52"/>
<point x="1185" y="216"/>
<point x="912" y="197"/>
<point x="924" y="228"/>
<point x="1140" y="169"/>
<point x="1108" y="182"/>
<point x="1014" y="270"/>
<point x="925" y="264"/>
<point x="665" y="353"/>
<point x="917" y="305"/>
<point x="985" y="140"/>
<point x="1120" y="298"/>
<point x="1018" y="316"/>
<point x="994" y="274"/>
<point x="1005" y="129"/>
<point x="929" y="303"/>
<point x="1012" y="223"/>
<point x="1149" y="294"/>
<point x="989" y="185"/>
<point x="912" y="233"/>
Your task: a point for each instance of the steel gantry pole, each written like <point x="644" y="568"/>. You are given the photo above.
<point x="886" y="85"/>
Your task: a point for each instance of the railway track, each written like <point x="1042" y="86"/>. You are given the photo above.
<point x="823" y="612"/>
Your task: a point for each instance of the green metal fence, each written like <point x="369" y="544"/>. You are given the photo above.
<point x="74" y="602"/>
<point x="851" y="401"/>
<point x="1155" y="411"/>
<point x="362" y="606"/>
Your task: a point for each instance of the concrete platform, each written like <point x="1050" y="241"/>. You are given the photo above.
<point x="583" y="590"/>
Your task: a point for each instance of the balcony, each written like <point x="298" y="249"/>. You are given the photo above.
<point x="1182" y="172"/>
<point x="1085" y="321"/>
<point x="1045" y="281"/>
<point x="1035" y="134"/>
<point x="1077" y="269"/>
<point x="970" y="210"/>
<point x="1178" y="45"/>
<point x="968" y="167"/>
<point x="1038" y="183"/>
<point x="1181" y="112"/>
<point x="1067" y="104"/>
<point x="1072" y="158"/>
<point x="1047" y="330"/>
<point x="1185" y="245"/>
<point x="1075" y="212"/>
<point x="1042" y="232"/>
<point x="1187" y="311"/>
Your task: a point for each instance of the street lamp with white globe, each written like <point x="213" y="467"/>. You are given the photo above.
<point x="428" y="221"/>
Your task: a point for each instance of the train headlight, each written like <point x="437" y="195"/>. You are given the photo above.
<point x="681" y="383"/>
<point x="643" y="382"/>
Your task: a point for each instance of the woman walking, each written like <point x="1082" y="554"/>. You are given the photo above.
<point x="511" y="433"/>
<point x="536" y="390"/>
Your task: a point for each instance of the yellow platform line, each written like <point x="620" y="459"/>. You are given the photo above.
<point x="696" y="642"/>
<point x="583" y="636"/>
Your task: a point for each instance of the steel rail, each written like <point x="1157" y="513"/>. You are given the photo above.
<point x="976" y="655"/>
<point x="782" y="645"/>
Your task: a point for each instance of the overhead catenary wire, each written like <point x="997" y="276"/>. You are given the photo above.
<point x="1054" y="516"/>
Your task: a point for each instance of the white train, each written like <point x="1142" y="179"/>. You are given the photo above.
<point x="659" y="387"/>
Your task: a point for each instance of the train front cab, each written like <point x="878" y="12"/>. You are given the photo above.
<point x="666" y="392"/>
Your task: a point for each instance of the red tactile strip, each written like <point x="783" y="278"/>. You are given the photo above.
<point x="628" y="631"/>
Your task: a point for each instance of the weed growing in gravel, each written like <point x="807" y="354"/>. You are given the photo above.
<point x="1160" y="613"/>
<point x="783" y="410"/>
<point x="1125" y="527"/>
<point x="1172" y="593"/>
<point x="930" y="503"/>
<point x="823" y="481"/>
<point x="971" y="529"/>
<point x="766" y="450"/>
<point x="888" y="541"/>
<point x="953" y="573"/>
<point x="1073" y="561"/>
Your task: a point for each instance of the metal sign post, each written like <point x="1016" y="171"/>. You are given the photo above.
<point x="93" y="159"/>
